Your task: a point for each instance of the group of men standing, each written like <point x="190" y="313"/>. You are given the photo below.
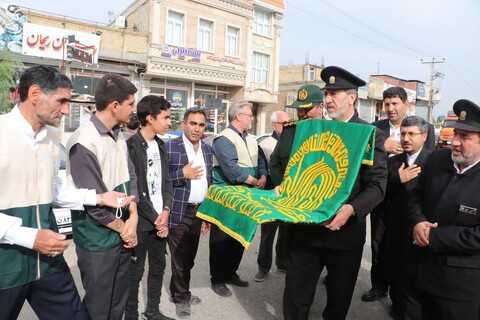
<point x="130" y="198"/>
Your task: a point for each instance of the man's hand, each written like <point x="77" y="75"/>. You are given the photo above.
<point x="192" y="173"/>
<point x="421" y="233"/>
<point x="392" y="146"/>
<point x="340" y="218"/>
<point x="129" y="233"/>
<point x="163" y="233"/>
<point x="409" y="173"/>
<point x="277" y="190"/>
<point x="261" y="183"/>
<point x="50" y="243"/>
<point x="205" y="227"/>
<point x="109" y="199"/>
<point x="161" y="224"/>
<point x="251" y="180"/>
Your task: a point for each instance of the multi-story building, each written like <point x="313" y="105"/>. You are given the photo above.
<point x="193" y="52"/>
<point x="207" y="53"/>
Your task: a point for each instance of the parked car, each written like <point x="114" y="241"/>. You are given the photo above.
<point x="63" y="215"/>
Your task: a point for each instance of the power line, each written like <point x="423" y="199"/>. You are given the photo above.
<point x="372" y="28"/>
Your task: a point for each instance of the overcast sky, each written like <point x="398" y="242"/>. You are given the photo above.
<point x="362" y="36"/>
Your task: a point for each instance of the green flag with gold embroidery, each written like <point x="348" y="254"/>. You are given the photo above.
<point x="324" y="163"/>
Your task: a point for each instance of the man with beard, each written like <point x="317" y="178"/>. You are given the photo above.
<point x="444" y="213"/>
<point x="99" y="160"/>
<point x="236" y="162"/>
<point x="338" y="243"/>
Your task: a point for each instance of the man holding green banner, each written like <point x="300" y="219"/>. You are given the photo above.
<point x="337" y="244"/>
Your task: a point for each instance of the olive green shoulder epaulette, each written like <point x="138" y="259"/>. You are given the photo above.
<point x="290" y="123"/>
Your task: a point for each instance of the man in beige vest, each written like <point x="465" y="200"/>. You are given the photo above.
<point x="236" y="162"/>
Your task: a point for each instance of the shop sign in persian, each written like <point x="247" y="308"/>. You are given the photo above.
<point x="181" y="53"/>
<point x="62" y="44"/>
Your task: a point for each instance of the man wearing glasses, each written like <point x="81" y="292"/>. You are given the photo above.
<point x="404" y="170"/>
<point x="396" y="105"/>
<point x="236" y="162"/>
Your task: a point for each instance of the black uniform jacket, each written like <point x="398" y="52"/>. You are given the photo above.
<point x="367" y="192"/>
<point x="450" y="266"/>
<point x="429" y="144"/>
<point x="402" y="255"/>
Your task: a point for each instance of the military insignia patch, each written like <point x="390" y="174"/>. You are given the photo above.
<point x="463" y="115"/>
<point x="468" y="210"/>
<point x="331" y="80"/>
<point x="302" y="94"/>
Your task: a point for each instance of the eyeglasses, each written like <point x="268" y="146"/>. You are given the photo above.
<point x="248" y="115"/>
<point x="282" y="123"/>
<point x="410" y="134"/>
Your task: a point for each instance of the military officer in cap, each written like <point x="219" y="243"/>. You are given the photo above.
<point x="338" y="243"/>
<point x="309" y="105"/>
<point x="444" y="211"/>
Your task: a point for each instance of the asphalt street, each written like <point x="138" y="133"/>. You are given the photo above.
<point x="259" y="301"/>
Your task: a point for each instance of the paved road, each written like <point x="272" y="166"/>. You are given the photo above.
<point x="260" y="301"/>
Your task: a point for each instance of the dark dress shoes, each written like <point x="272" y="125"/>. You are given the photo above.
<point x="374" y="294"/>
<point x="221" y="289"/>
<point x="236" y="281"/>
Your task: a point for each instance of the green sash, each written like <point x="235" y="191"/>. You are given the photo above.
<point x="324" y="163"/>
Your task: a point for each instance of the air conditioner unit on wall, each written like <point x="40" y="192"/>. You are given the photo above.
<point x="121" y="22"/>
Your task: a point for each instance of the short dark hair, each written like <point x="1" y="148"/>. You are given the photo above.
<point x="395" y="92"/>
<point x="151" y="105"/>
<point x="415" y="121"/>
<point x="48" y="79"/>
<point x="194" y="110"/>
<point x="112" y="87"/>
<point x="134" y="122"/>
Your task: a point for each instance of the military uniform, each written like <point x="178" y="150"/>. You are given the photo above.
<point x="315" y="246"/>
<point x="449" y="272"/>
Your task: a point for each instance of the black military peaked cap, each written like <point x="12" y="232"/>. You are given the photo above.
<point x="468" y="115"/>
<point x="336" y="78"/>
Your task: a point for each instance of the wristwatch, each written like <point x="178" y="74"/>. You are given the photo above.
<point x="166" y="208"/>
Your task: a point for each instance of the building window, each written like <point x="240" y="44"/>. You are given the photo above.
<point x="205" y="31"/>
<point x="260" y="68"/>
<point x="311" y="74"/>
<point x="262" y="21"/>
<point x="175" y="28"/>
<point x="231" y="46"/>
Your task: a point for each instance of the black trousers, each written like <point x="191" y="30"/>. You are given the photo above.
<point x="183" y="243"/>
<point x="379" y="269"/>
<point x="438" y="308"/>
<point x="302" y="277"/>
<point x="105" y="277"/>
<point x="225" y="255"/>
<point x="51" y="297"/>
<point x="148" y="242"/>
<point x="265" y="252"/>
<point x="406" y="300"/>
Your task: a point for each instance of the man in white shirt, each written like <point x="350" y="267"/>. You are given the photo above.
<point x="32" y="266"/>
<point x="191" y="174"/>
<point x="403" y="172"/>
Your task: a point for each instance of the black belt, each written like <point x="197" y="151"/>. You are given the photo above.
<point x="193" y="205"/>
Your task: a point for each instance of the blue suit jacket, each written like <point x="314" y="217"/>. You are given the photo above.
<point x="181" y="185"/>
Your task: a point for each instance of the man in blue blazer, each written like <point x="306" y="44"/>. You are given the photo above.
<point x="191" y="175"/>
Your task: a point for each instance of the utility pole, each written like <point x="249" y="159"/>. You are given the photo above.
<point x="433" y="76"/>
